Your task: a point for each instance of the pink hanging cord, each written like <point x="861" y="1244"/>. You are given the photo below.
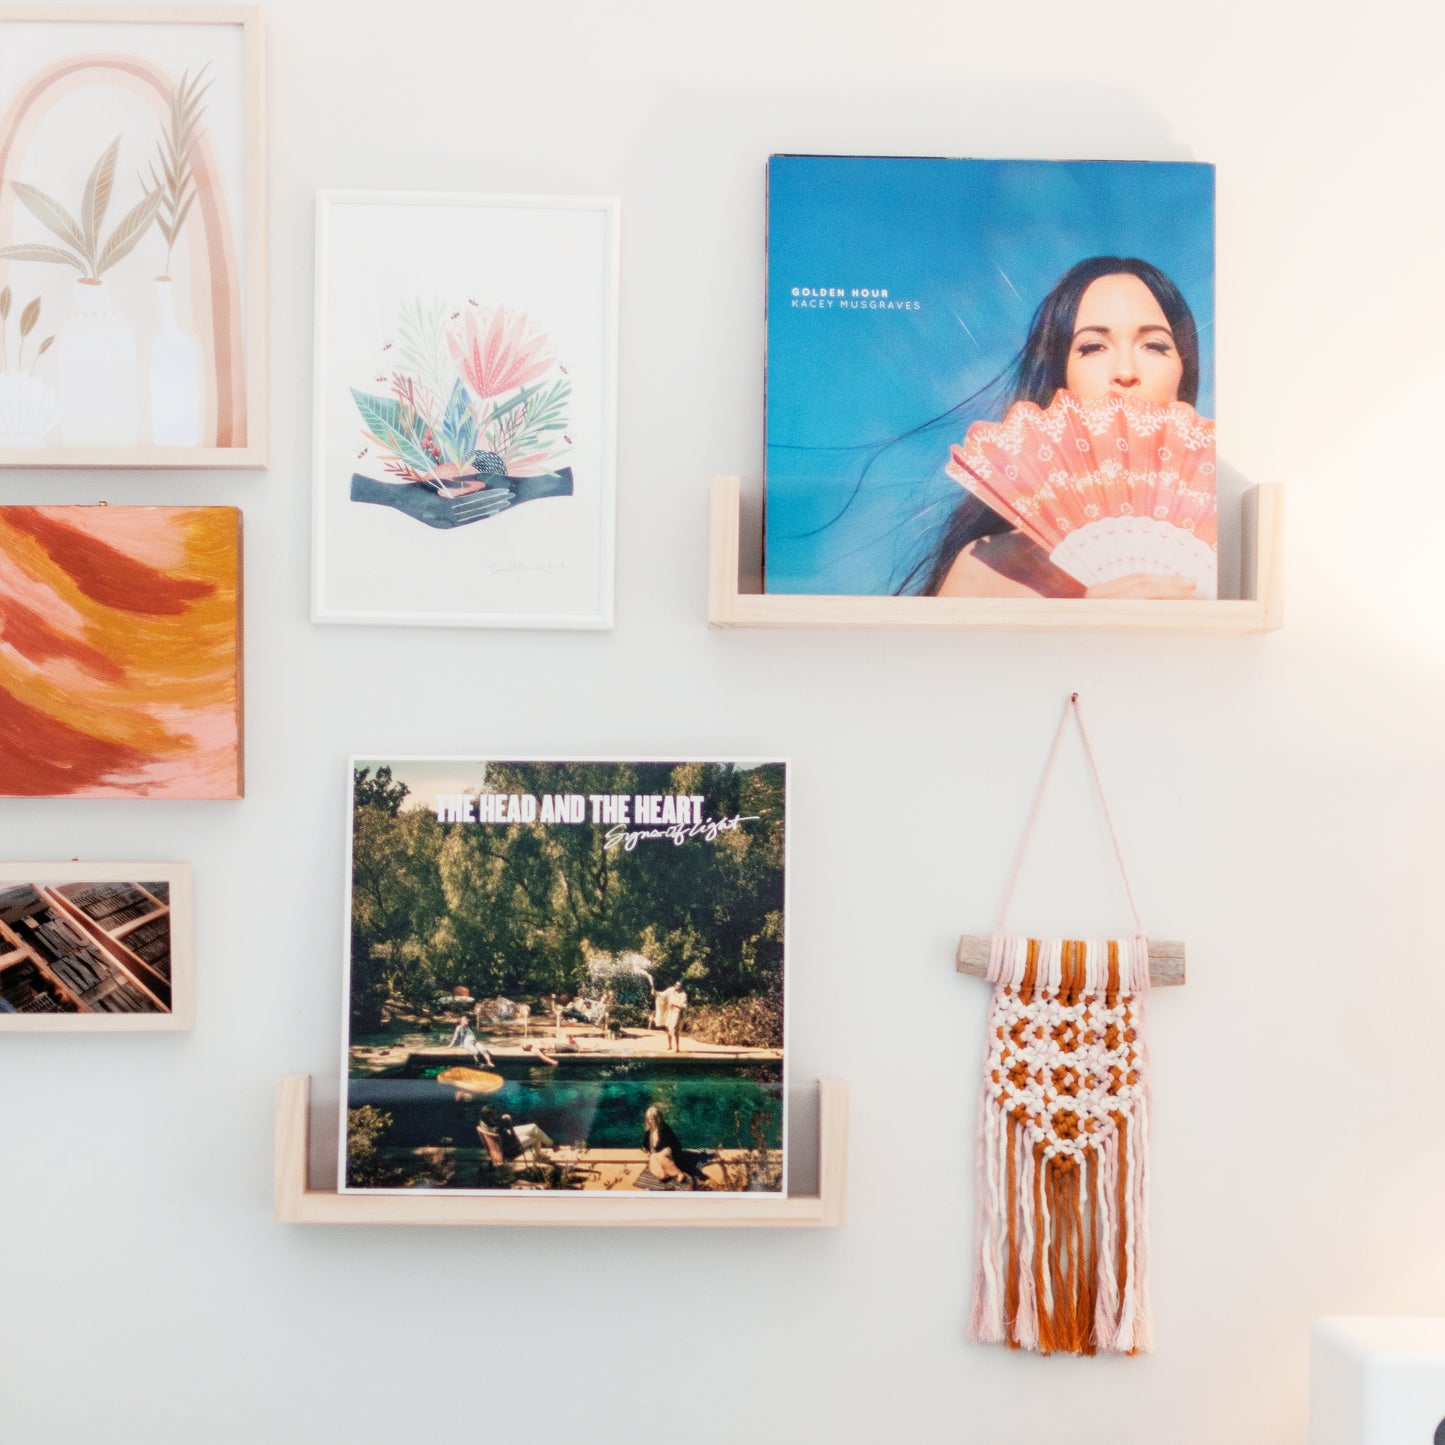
<point x="1071" y="707"/>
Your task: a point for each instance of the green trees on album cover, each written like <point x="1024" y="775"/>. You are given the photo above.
<point x="518" y="910"/>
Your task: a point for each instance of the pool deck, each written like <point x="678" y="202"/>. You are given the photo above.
<point x="617" y="1169"/>
<point x="577" y="1046"/>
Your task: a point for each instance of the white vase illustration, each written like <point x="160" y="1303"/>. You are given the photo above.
<point x="96" y="372"/>
<point x="28" y="410"/>
<point x="175" y="378"/>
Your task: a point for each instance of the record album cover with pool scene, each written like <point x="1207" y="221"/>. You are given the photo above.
<point x="990" y="378"/>
<point x="566" y="975"/>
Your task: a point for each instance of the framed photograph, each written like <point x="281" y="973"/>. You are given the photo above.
<point x="96" y="946"/>
<point x="465" y="409"/>
<point x="132" y="237"/>
<point x="120" y="652"/>
<point x="990" y="378"/>
<point x="566" y="975"/>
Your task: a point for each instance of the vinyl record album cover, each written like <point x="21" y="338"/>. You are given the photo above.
<point x="990" y="378"/>
<point x="566" y="976"/>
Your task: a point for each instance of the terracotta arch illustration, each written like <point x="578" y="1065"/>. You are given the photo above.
<point x="216" y="301"/>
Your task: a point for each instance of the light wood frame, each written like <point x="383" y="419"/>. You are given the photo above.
<point x="1262" y="610"/>
<point x="181" y="1016"/>
<point x="298" y="1203"/>
<point x="253" y="226"/>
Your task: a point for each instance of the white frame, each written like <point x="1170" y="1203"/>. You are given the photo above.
<point x="182" y="1015"/>
<point x="383" y="757"/>
<point x="610" y="207"/>
<point x="252" y="226"/>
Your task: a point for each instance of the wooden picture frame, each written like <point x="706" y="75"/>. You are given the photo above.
<point x="134" y="285"/>
<point x="80" y="958"/>
<point x="448" y="394"/>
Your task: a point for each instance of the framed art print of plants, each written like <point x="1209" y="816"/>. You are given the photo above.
<point x="132" y="237"/>
<point x="465" y="409"/>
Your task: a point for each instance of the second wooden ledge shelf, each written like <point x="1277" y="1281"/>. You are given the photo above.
<point x="298" y="1203"/>
<point x="1261" y="611"/>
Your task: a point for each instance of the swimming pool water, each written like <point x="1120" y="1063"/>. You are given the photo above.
<point x="602" y="1108"/>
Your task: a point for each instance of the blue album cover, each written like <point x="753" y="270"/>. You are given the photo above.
<point x="990" y="377"/>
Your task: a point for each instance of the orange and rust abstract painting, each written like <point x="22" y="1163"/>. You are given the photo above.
<point x="120" y="652"/>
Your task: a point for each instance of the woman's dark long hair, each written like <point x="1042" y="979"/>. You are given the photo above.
<point x="1035" y="374"/>
<point x="666" y="1138"/>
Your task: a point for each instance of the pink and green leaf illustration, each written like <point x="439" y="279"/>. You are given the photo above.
<point x="474" y="395"/>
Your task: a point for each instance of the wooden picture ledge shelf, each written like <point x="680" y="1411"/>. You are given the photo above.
<point x="1261" y="611"/>
<point x="298" y="1203"/>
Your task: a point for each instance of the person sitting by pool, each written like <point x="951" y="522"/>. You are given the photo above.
<point x="500" y="1137"/>
<point x="520" y="1139"/>
<point x="667" y="1161"/>
<point x="463" y="1037"/>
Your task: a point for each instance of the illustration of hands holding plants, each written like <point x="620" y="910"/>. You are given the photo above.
<point x="474" y="395"/>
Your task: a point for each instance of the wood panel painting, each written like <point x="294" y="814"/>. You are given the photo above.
<point x="131" y="239"/>
<point x="120" y="652"/>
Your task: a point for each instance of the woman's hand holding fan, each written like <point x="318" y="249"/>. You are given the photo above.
<point x="1119" y="493"/>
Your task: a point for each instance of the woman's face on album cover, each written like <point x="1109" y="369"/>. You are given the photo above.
<point x="1122" y="344"/>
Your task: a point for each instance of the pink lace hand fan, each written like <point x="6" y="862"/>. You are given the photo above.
<point x="1107" y="488"/>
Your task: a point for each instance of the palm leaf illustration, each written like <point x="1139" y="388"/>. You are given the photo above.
<point x="53" y="216"/>
<point x="83" y="240"/>
<point x="36" y="251"/>
<point x="422" y="345"/>
<point x="127" y="234"/>
<point x="175" y="179"/>
<point x="97" y="195"/>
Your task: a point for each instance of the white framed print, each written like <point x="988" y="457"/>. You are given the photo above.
<point x="96" y="947"/>
<point x="465" y="409"/>
<point x="132" y="236"/>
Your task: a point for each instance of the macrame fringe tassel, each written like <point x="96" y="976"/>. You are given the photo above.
<point x="1062" y="1259"/>
<point x="1062" y="1247"/>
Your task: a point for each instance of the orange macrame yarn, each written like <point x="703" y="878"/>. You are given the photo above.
<point x="1063" y="1198"/>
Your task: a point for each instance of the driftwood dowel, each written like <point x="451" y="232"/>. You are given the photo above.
<point x="1166" y="959"/>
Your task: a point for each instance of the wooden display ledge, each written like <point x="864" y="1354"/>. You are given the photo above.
<point x="1261" y="611"/>
<point x="298" y="1203"/>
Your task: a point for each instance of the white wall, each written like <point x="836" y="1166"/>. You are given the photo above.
<point x="1280" y="796"/>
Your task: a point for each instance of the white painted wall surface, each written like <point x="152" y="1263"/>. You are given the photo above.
<point x="1280" y="797"/>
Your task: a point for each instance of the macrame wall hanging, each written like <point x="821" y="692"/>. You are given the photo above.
<point x="1063" y="1163"/>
